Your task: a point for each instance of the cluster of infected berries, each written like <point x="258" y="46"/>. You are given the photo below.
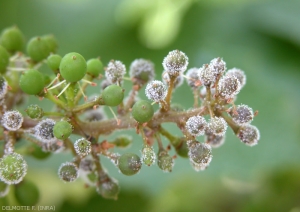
<point x="48" y="132"/>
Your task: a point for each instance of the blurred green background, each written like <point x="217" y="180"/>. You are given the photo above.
<point x="260" y="37"/>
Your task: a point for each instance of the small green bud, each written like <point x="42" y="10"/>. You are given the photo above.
<point x="32" y="82"/>
<point x="164" y="161"/>
<point x="34" y="111"/>
<point x="51" y="42"/>
<point x="38" y="49"/>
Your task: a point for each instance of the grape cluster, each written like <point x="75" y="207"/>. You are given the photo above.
<point x="76" y="115"/>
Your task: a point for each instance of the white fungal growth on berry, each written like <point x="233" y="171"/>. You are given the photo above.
<point x="193" y="79"/>
<point x="218" y="65"/>
<point x="242" y="114"/>
<point x="249" y="135"/>
<point x="44" y="130"/>
<point x="239" y="74"/>
<point x="68" y="172"/>
<point x="13" y="168"/>
<point x="207" y="75"/>
<point x="217" y="126"/>
<point x="166" y="79"/>
<point x="142" y="69"/>
<point x="82" y="147"/>
<point x="175" y="63"/>
<point x="156" y="90"/>
<point x="199" y="154"/>
<point x="3" y="87"/>
<point x="229" y="87"/>
<point x="196" y="125"/>
<point x="214" y="141"/>
<point x="148" y="156"/>
<point x="115" y="71"/>
<point x="12" y="120"/>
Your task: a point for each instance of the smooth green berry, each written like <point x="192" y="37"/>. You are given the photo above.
<point x="12" y="39"/>
<point x="51" y="42"/>
<point x="27" y="193"/>
<point x="129" y="164"/>
<point x="165" y="161"/>
<point x="13" y="168"/>
<point x="68" y="172"/>
<point x="73" y="67"/>
<point x="113" y="95"/>
<point x="62" y="130"/>
<point x="182" y="148"/>
<point x="109" y="189"/>
<point x="4" y="59"/>
<point x="94" y="67"/>
<point x="32" y="82"/>
<point x="148" y="155"/>
<point x="82" y="147"/>
<point x="37" y="152"/>
<point x="38" y="49"/>
<point x="34" y="111"/>
<point x="53" y="61"/>
<point x="142" y="111"/>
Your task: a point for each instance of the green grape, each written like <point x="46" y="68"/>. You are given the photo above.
<point x="38" y="49"/>
<point x="27" y="193"/>
<point x="62" y="130"/>
<point x="34" y="111"/>
<point x="142" y="111"/>
<point x="109" y="189"/>
<point x="94" y="67"/>
<point x="129" y="164"/>
<point x="53" y="61"/>
<point x="4" y="59"/>
<point x="37" y="152"/>
<point x="148" y="155"/>
<point x="68" y="172"/>
<point x="165" y="161"/>
<point x="113" y="95"/>
<point x="32" y="82"/>
<point x="12" y="39"/>
<point x="73" y="67"/>
<point x="51" y="42"/>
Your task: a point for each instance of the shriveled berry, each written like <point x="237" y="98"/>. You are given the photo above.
<point x="228" y="87"/>
<point x="156" y="91"/>
<point x="82" y="147"/>
<point x="239" y="74"/>
<point x="129" y="164"/>
<point x="142" y="111"/>
<point x="73" y="67"/>
<point x="113" y="95"/>
<point x="199" y="154"/>
<point x="165" y="161"/>
<point x="242" y="114"/>
<point x="32" y="82"/>
<point x="27" y="193"/>
<point x="4" y="189"/>
<point x="218" y="65"/>
<point x="94" y="67"/>
<point x="177" y="82"/>
<point x="3" y="87"/>
<point x="44" y="130"/>
<point x="62" y="130"/>
<point x="4" y="59"/>
<point x="193" y="79"/>
<point x="175" y="63"/>
<point x="249" y="135"/>
<point x="12" y="39"/>
<point x="217" y="126"/>
<point x="148" y="155"/>
<point x="13" y="168"/>
<point x="12" y="120"/>
<point x="53" y="61"/>
<point x="109" y="189"/>
<point x="115" y="71"/>
<point x="34" y="111"/>
<point x="196" y="125"/>
<point x="68" y="172"/>
<point x="38" y="49"/>
<point x="142" y="71"/>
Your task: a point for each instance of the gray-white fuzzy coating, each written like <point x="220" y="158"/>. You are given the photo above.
<point x="214" y="141"/>
<point x="175" y="63"/>
<point x="239" y="74"/>
<point x="196" y="125"/>
<point x="68" y="172"/>
<point x="200" y="155"/>
<point x="142" y="69"/>
<point x="217" y="126"/>
<point x="166" y="79"/>
<point x="207" y="75"/>
<point x="12" y="120"/>
<point x="115" y="71"/>
<point x="218" y="65"/>
<point x="3" y="87"/>
<point x="242" y="114"/>
<point x="229" y="87"/>
<point x="148" y="155"/>
<point x="249" y="135"/>
<point x="193" y="79"/>
<point x="82" y="147"/>
<point x="156" y="91"/>
<point x="44" y="130"/>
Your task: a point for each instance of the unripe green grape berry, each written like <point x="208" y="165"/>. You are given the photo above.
<point x="34" y="111"/>
<point x="82" y="147"/>
<point x="13" y="168"/>
<point x="142" y="71"/>
<point x="4" y="59"/>
<point x="37" y="152"/>
<point x="73" y="67"/>
<point x="122" y="141"/>
<point x="199" y="154"/>
<point x="109" y="189"/>
<point x="142" y="111"/>
<point x="175" y="63"/>
<point x="3" y="87"/>
<point x="165" y="162"/>
<point x="12" y="120"/>
<point x="12" y="39"/>
<point x="68" y="172"/>
<point x="51" y="42"/>
<point x="27" y="193"/>
<point x="148" y="155"/>
<point x="94" y="67"/>
<point x="62" y="130"/>
<point x="37" y="49"/>
<point x="129" y="164"/>
<point x="32" y="82"/>
<point x="113" y="95"/>
<point x="44" y="130"/>
<point x="249" y="135"/>
<point x="53" y="61"/>
<point x="182" y="148"/>
<point x="4" y="189"/>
